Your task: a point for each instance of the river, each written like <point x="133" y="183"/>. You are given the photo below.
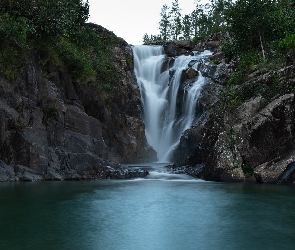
<point x="160" y="212"/>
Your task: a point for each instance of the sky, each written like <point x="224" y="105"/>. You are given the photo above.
<point x="131" y="19"/>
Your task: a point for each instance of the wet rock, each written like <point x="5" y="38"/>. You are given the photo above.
<point x="6" y="172"/>
<point x="288" y="176"/>
<point x="176" y="48"/>
<point x="167" y="64"/>
<point x="243" y="144"/>
<point x="217" y="73"/>
<point x="23" y="173"/>
<point x="216" y="57"/>
<point x="194" y="171"/>
<point x="270" y="132"/>
<point x="191" y="74"/>
<point x="52" y="175"/>
<point x="124" y="173"/>
<point x="277" y="171"/>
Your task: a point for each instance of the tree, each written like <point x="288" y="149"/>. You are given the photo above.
<point x="200" y="23"/>
<point x="186" y="27"/>
<point x="255" y="24"/>
<point x="48" y="18"/>
<point x="146" y="38"/>
<point x="164" y="24"/>
<point x="217" y="12"/>
<point x="176" y="25"/>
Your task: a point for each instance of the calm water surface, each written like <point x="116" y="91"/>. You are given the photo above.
<point x="161" y="212"/>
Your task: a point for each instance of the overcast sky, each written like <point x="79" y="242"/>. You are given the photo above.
<point x="131" y="19"/>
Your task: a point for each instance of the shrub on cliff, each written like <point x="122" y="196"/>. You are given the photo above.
<point x="261" y="39"/>
<point x="257" y="25"/>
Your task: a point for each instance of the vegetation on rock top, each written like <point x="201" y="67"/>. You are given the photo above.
<point x="259" y="37"/>
<point x="56" y="32"/>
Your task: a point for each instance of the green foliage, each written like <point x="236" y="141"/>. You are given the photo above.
<point x="55" y="31"/>
<point x="52" y="112"/>
<point x="49" y="19"/>
<point x="146" y="38"/>
<point x="249" y="60"/>
<point x="217" y="15"/>
<point x="236" y="78"/>
<point x="259" y="43"/>
<point x="13" y="44"/>
<point x="256" y="24"/>
<point x="152" y="38"/>
<point x="164" y="24"/>
<point x="240" y="88"/>
<point x="176" y="20"/>
<point x="186" y="27"/>
<point x="77" y="62"/>
<point x="287" y="45"/>
<point x="234" y="95"/>
<point x="201" y="22"/>
<point x="248" y="171"/>
<point x="229" y="51"/>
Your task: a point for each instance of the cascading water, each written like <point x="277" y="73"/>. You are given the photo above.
<point x="159" y="85"/>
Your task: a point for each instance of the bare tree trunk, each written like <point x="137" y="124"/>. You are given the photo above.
<point x="263" y="54"/>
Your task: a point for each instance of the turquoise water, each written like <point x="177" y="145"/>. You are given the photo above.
<point x="161" y="212"/>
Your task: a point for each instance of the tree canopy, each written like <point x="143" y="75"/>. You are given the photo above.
<point x="264" y="25"/>
<point x="202" y="21"/>
<point x="55" y="30"/>
<point x="254" y="22"/>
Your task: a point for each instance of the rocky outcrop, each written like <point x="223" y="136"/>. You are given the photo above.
<point x="212" y="43"/>
<point x="252" y="142"/>
<point x="176" y="48"/>
<point x="54" y="129"/>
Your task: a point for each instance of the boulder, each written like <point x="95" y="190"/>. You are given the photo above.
<point x="277" y="171"/>
<point x="6" y="172"/>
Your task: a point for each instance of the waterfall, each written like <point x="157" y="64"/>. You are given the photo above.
<point x="159" y="79"/>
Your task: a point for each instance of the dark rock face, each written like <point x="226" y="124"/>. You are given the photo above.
<point x="212" y="43"/>
<point x="176" y="48"/>
<point x="54" y="129"/>
<point x="248" y="143"/>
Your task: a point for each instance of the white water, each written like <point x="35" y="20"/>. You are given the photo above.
<point x="159" y="93"/>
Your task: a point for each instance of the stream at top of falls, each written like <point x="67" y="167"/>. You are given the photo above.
<point x="169" y="108"/>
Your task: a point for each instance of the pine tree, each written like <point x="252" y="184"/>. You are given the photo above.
<point x="176" y="23"/>
<point x="164" y="24"/>
<point x="186" y="27"/>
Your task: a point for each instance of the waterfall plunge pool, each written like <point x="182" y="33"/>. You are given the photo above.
<point x="146" y="214"/>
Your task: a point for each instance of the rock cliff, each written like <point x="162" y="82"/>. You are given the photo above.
<point x="52" y="128"/>
<point x="253" y="141"/>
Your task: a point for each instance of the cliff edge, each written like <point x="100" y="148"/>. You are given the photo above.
<point x="54" y="128"/>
